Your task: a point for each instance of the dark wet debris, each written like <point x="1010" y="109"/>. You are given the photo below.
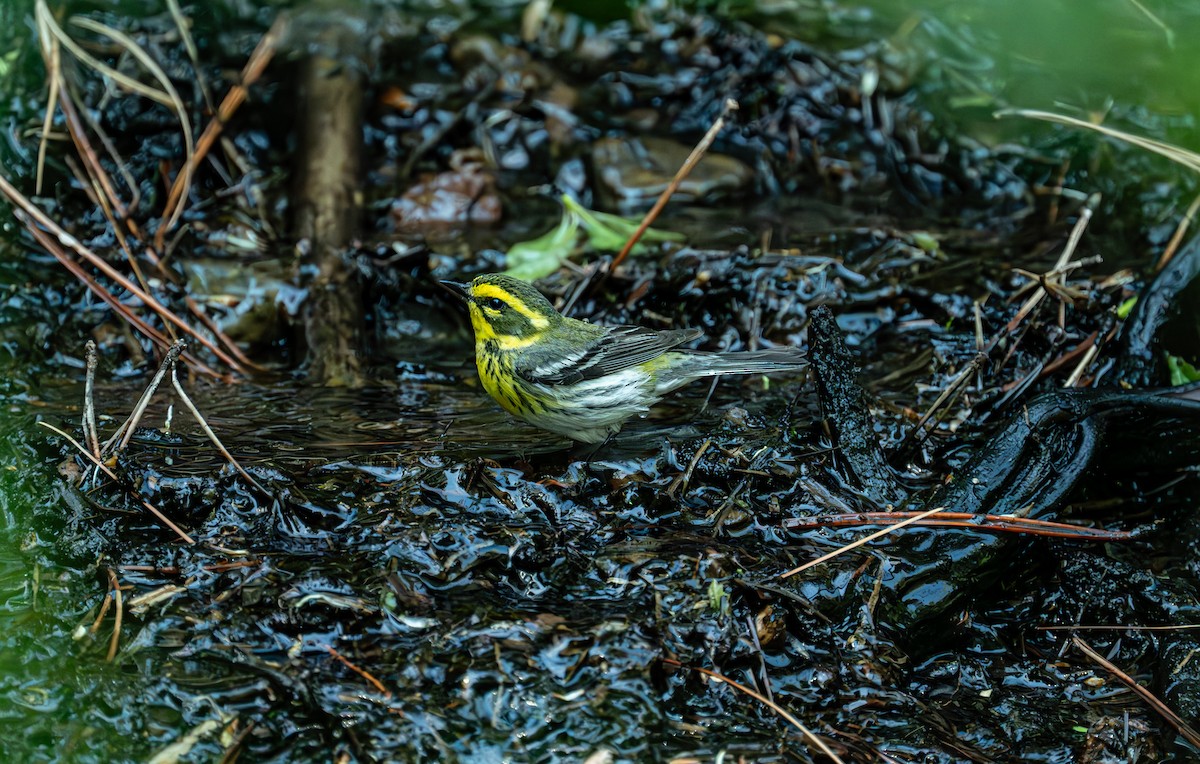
<point x="515" y="599"/>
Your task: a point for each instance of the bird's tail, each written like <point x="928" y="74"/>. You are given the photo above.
<point x="773" y="361"/>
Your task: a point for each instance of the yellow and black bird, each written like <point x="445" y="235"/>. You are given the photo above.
<point x="579" y="379"/>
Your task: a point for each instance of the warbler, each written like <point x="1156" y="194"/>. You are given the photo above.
<point x="582" y="380"/>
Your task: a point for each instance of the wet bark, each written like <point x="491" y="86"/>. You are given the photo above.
<point x="845" y="405"/>
<point x="327" y="202"/>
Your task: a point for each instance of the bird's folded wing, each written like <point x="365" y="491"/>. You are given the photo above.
<point x="619" y="348"/>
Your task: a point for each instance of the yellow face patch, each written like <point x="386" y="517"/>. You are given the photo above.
<point x="481" y="293"/>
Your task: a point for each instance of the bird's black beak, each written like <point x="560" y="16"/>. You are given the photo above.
<point x="459" y="290"/>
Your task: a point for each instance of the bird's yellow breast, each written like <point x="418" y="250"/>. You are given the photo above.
<point x="498" y="378"/>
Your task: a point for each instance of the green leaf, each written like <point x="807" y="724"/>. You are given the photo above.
<point x="718" y="597"/>
<point x="1182" y="372"/>
<point x="1125" y="308"/>
<point x="926" y="241"/>
<point x="610" y="232"/>
<point x="533" y="259"/>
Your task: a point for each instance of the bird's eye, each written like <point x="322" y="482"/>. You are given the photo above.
<point x="495" y="303"/>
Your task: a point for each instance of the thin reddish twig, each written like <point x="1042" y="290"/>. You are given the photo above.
<point x="1116" y="627"/>
<point x="69" y="241"/>
<point x="378" y="685"/>
<point x="118" y="616"/>
<point x="865" y="540"/>
<point x="809" y="735"/>
<point x="997" y="523"/>
<point x="1162" y="709"/>
<point x="51" y="245"/>
<point x="688" y="164"/>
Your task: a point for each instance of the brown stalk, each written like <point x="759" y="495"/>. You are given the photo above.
<point x="810" y="736"/>
<point x="87" y="153"/>
<point x="997" y="523"/>
<point x="1177" y="237"/>
<point x="253" y="69"/>
<point x="98" y="184"/>
<point x="1169" y="716"/>
<point x="688" y="164"/>
<point x="71" y="242"/>
<point x="118" y="616"/>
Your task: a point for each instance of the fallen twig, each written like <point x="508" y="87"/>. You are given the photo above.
<point x="996" y="523"/>
<point x="865" y="540"/>
<point x="809" y="735"/>
<point x="378" y="685"/>
<point x="688" y="164"/>
<point x="125" y="431"/>
<point x="1116" y="627"/>
<point x="113" y="476"/>
<point x="1169" y="716"/>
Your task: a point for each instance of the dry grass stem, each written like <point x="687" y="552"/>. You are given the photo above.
<point x="253" y="69"/>
<point x="174" y="102"/>
<point x="212" y="436"/>
<point x="126" y="430"/>
<point x="998" y="523"/>
<point x="90" y="433"/>
<point x="185" y="34"/>
<point x="51" y="52"/>
<point x="1188" y="159"/>
<point x="865" y="540"/>
<point x="1088" y="356"/>
<point x="1050" y="279"/>
<point x="960" y="382"/>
